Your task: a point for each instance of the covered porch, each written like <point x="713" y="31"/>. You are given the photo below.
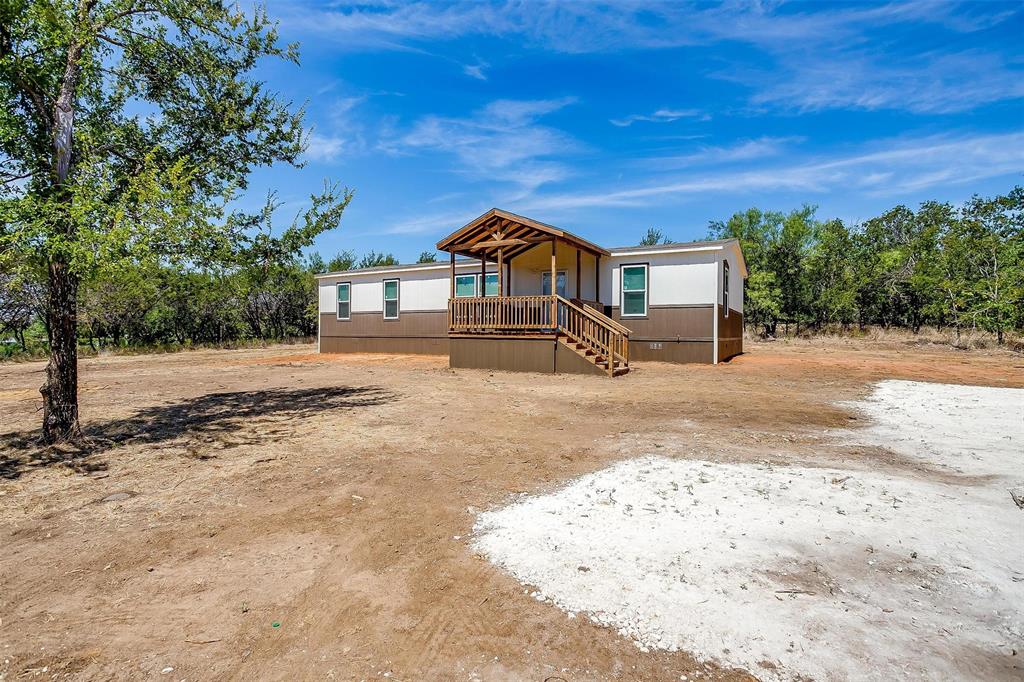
<point x="535" y="281"/>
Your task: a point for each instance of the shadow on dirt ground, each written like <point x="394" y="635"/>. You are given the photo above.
<point x="201" y="418"/>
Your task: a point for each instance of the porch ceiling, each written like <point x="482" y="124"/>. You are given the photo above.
<point x="512" y="234"/>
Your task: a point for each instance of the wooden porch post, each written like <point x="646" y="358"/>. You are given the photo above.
<point x="451" y="295"/>
<point x="483" y="275"/>
<point x="579" y="294"/>
<point x="554" y="283"/>
<point x="597" y="278"/>
<point x="501" y="274"/>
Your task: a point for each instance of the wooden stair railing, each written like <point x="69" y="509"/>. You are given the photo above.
<point x="589" y="306"/>
<point x="599" y="338"/>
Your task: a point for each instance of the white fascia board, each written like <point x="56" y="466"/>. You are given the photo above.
<point x="344" y="274"/>
<point x="651" y="252"/>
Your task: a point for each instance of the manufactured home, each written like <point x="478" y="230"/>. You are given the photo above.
<point x="518" y="294"/>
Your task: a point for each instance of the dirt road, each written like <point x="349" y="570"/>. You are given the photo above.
<point x="276" y="514"/>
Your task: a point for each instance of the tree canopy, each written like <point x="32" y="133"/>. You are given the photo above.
<point x="127" y="133"/>
<point x="654" y="236"/>
<point x="944" y="265"/>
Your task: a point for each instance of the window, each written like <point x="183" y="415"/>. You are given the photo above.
<point x="391" y="299"/>
<point x="545" y="283"/>
<point x="491" y="284"/>
<point x="465" y="286"/>
<point x="725" y="286"/>
<point x="344" y="301"/>
<point x="634" y="291"/>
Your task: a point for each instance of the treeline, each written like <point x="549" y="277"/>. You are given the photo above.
<point x="956" y="267"/>
<point x="155" y="306"/>
<point x="946" y="266"/>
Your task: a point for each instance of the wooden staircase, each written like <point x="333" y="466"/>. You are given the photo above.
<point x="594" y="336"/>
<point x="601" y="362"/>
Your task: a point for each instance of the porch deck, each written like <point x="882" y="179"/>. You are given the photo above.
<point x="576" y="324"/>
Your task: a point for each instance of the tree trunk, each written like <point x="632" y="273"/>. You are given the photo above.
<point x="60" y="392"/>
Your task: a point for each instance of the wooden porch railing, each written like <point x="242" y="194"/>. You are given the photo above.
<point x="603" y="339"/>
<point x="482" y="314"/>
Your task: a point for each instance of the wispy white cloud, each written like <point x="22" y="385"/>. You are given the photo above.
<point x="347" y="134"/>
<point x="323" y="148"/>
<point x="821" y="56"/>
<point x="434" y="224"/>
<point x="896" y="168"/>
<point x="476" y="70"/>
<point x="930" y="83"/>
<point x="708" y="155"/>
<point x="503" y="142"/>
<point x="661" y="116"/>
<point x="447" y="196"/>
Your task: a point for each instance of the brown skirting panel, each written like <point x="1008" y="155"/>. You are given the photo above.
<point x="541" y="354"/>
<point x="682" y="333"/>
<point x="730" y="333"/>
<point x="671" y="351"/>
<point x="514" y="355"/>
<point x="369" y="344"/>
<point x="429" y="323"/>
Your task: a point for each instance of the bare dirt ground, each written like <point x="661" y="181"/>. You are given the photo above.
<point x="278" y="514"/>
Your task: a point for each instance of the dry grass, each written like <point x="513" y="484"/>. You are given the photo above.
<point x="946" y="337"/>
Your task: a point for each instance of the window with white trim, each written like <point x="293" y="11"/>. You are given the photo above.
<point x="491" y="284"/>
<point x="725" y="286"/>
<point x="633" y="301"/>
<point x="391" y="299"/>
<point x="465" y="286"/>
<point x="344" y="300"/>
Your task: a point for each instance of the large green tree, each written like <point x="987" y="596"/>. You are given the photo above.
<point x="127" y="129"/>
<point x="990" y="235"/>
<point x="832" y="294"/>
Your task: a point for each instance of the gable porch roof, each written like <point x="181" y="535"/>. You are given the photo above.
<point x="512" y="234"/>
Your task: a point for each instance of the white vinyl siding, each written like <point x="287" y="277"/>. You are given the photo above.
<point x="344" y="301"/>
<point x="391" y="299"/>
<point x="634" y="291"/>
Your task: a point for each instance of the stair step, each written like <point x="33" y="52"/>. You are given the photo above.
<point x="594" y="358"/>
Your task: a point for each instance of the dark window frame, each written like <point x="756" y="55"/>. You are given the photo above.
<point x="725" y="286"/>
<point x="337" y="301"/>
<point x="647" y="290"/>
<point x="397" y="299"/>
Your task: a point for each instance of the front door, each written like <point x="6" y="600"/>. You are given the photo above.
<point x="545" y="283"/>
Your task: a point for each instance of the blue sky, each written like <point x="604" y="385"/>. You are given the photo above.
<point x="610" y="118"/>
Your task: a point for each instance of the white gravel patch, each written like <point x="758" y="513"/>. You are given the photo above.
<point x="788" y="571"/>
<point x="973" y="430"/>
